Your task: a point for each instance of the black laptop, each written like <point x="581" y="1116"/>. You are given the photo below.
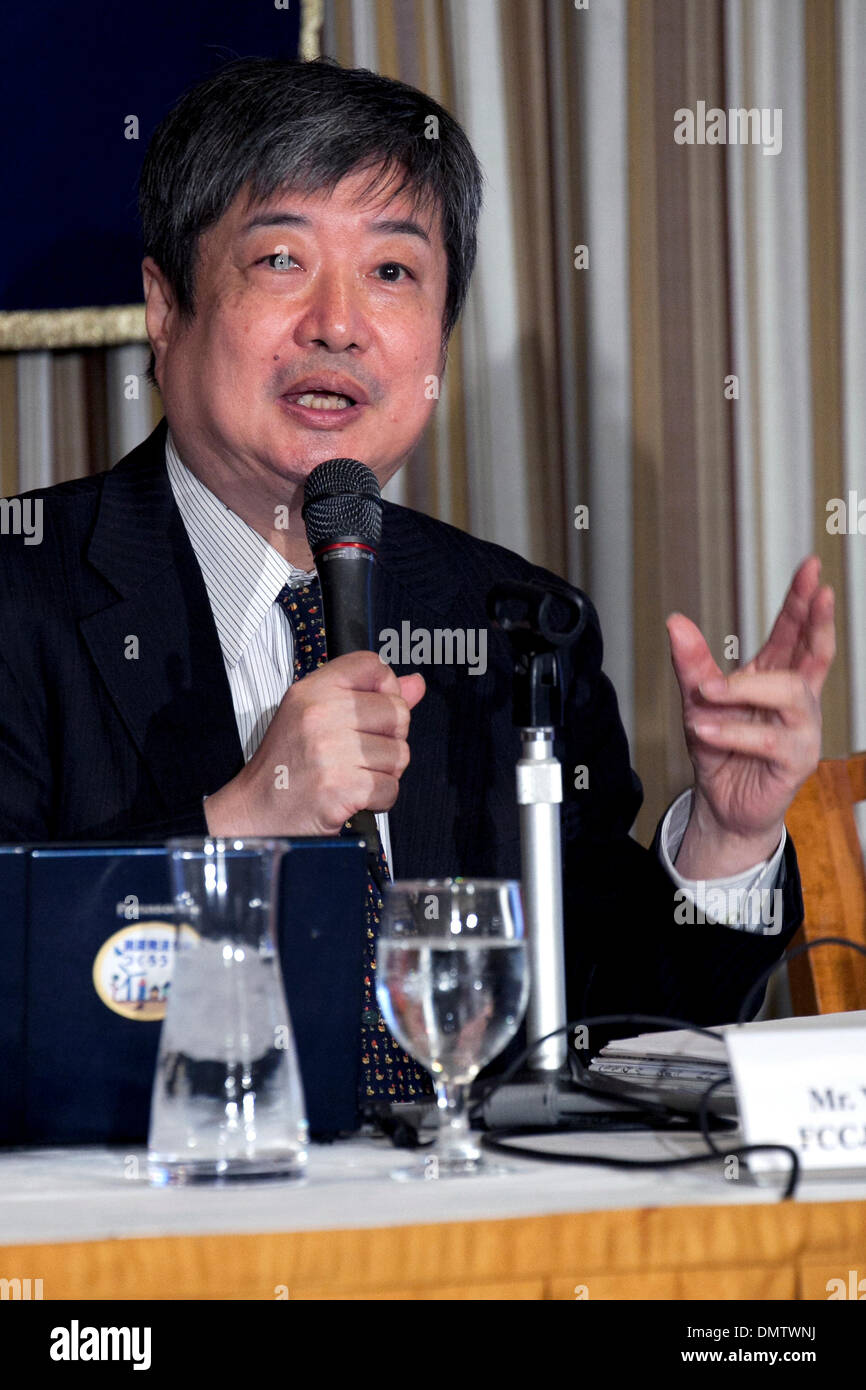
<point x="87" y="935"/>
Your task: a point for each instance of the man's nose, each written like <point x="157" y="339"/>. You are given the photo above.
<point x="333" y="316"/>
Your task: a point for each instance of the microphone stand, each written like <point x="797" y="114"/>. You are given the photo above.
<point x="539" y="795"/>
<point x="540" y="623"/>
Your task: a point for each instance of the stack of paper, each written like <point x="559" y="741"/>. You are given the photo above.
<point x="681" y="1064"/>
<point x="676" y="1066"/>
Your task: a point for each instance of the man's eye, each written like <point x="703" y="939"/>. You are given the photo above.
<point x="278" y="260"/>
<point x="391" y="279"/>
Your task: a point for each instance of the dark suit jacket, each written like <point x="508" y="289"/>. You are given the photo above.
<point x="97" y="746"/>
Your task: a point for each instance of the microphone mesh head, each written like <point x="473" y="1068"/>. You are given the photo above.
<point x="342" y="498"/>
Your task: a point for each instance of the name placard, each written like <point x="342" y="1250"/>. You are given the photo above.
<point x="804" y="1086"/>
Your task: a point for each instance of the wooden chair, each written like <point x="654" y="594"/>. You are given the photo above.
<point x="822" y="825"/>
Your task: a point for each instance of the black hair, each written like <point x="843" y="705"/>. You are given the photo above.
<point x="267" y="123"/>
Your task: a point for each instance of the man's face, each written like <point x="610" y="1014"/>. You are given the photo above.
<point x="301" y="304"/>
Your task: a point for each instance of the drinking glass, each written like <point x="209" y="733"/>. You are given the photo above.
<point x="227" y="1097"/>
<point x="452" y="984"/>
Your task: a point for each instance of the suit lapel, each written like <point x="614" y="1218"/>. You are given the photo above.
<point x="415" y="584"/>
<point x="156" y="648"/>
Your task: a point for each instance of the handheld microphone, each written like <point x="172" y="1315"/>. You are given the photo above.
<point x="342" y="514"/>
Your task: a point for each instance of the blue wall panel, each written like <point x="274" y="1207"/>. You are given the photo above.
<point x="69" y="75"/>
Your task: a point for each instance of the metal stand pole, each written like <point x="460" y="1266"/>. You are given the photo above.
<point x="539" y="795"/>
<point x="540" y="622"/>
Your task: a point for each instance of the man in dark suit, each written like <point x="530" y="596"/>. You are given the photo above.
<point x="308" y="253"/>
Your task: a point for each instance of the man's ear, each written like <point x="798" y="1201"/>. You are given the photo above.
<point x="160" y="312"/>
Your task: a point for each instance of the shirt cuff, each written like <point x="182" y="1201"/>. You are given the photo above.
<point x="748" y="901"/>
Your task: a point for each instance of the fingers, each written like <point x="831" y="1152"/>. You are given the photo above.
<point x="804" y="635"/>
<point x="378" y="753"/>
<point x="803" y="641"/>
<point x="366" y="671"/>
<point x="359" y="671"/>
<point x="818" y="642"/>
<point x="691" y="657"/>
<point x="375" y="713"/>
<point x="380" y="764"/>
<point x="768" y="742"/>
<point x="785" y="693"/>
<point x="780" y="648"/>
<point x="383" y="793"/>
<point x="412" y="688"/>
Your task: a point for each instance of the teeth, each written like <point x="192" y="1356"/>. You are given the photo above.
<point x="323" y="402"/>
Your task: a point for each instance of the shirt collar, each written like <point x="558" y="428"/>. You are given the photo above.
<point x="243" y="574"/>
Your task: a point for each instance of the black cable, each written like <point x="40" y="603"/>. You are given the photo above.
<point x="496" y="1139"/>
<point x="704" y="1111"/>
<point x="802" y="950"/>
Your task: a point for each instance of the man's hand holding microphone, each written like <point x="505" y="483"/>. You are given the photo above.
<point x="338" y="743"/>
<point x="341" y="734"/>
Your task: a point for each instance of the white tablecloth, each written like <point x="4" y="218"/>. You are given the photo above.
<point x="49" y="1195"/>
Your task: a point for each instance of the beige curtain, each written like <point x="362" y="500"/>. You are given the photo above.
<point x="68" y="412"/>
<point x="705" y="262"/>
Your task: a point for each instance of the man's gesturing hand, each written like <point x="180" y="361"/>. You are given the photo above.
<point x="336" y="745"/>
<point x="755" y="736"/>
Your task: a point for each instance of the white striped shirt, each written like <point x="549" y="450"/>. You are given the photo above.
<point x="243" y="576"/>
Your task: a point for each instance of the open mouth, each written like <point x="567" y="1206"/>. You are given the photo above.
<point x="321" y="400"/>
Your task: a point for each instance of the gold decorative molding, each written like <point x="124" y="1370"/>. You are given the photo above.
<point x="312" y="20"/>
<point x="34" y="329"/>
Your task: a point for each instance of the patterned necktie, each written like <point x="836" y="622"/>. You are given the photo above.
<point x="387" y="1073"/>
